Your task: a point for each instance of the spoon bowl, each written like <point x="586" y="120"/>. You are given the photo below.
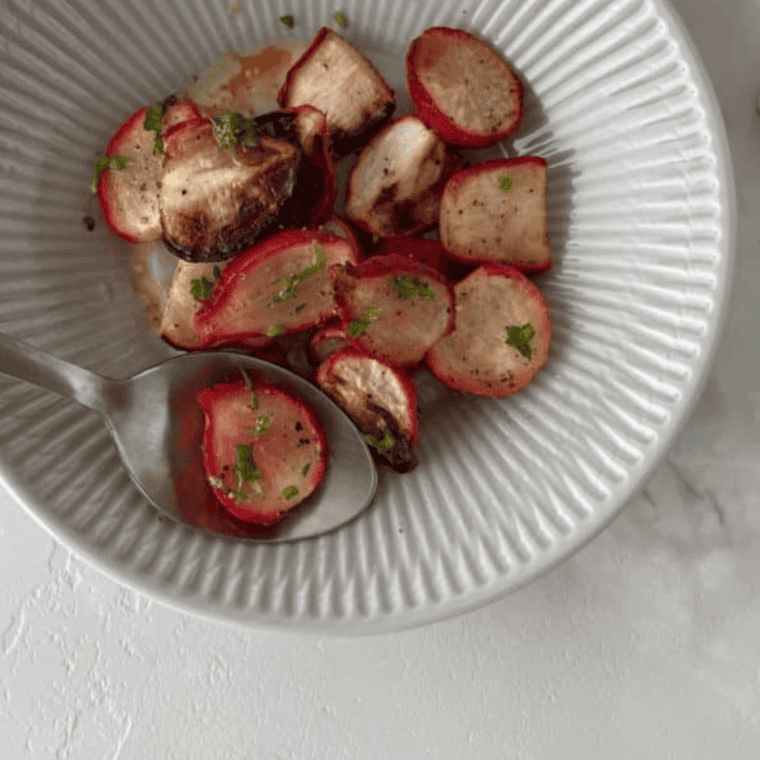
<point x="157" y="427"/>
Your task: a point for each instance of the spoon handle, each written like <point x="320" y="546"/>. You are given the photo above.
<point x="24" y="362"/>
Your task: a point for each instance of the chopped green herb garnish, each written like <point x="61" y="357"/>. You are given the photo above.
<point x="358" y="327"/>
<point x="200" y="289"/>
<point x="89" y="222"/>
<point x="305" y="468"/>
<point x="275" y="330"/>
<point x="106" y="162"/>
<point x="406" y="287"/>
<point x="233" y="127"/>
<point x="291" y="283"/>
<point x="506" y="183"/>
<point x="386" y="444"/>
<point x="262" y="423"/>
<point x="154" y="122"/>
<point x="520" y="338"/>
<point x="246" y="471"/>
<point x="225" y="129"/>
<point x="288" y="21"/>
<point x="340" y="19"/>
<point x="290" y="492"/>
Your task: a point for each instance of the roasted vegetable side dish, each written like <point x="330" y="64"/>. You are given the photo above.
<point x="357" y="303"/>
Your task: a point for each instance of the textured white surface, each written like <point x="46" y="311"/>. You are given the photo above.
<point x="640" y="212"/>
<point x="643" y="646"/>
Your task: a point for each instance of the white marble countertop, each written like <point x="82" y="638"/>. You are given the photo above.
<point x="644" y="645"/>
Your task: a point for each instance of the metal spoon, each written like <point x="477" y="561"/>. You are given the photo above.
<point x="157" y="427"/>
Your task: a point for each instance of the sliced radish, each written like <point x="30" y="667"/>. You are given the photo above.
<point x="341" y="82"/>
<point x="215" y="201"/>
<point x="496" y="212"/>
<point x="191" y="286"/>
<point x="462" y="88"/>
<point x="380" y="399"/>
<point x="327" y="340"/>
<point x="396" y="308"/>
<point x="128" y="197"/>
<point x="280" y="286"/>
<point x="395" y="186"/>
<point x="264" y="450"/>
<point x="502" y="334"/>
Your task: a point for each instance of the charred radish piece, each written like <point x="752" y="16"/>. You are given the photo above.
<point x="380" y="399"/>
<point x="264" y="451"/>
<point x="496" y="212"/>
<point x="327" y="340"/>
<point x="462" y="88"/>
<point x="396" y="308"/>
<point x="395" y="186"/>
<point x="282" y="285"/>
<point x="221" y="188"/>
<point x="341" y="82"/>
<point x="502" y="335"/>
<point x="190" y="288"/>
<point x="129" y="176"/>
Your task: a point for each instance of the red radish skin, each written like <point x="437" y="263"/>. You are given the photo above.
<point x="338" y="79"/>
<point x="462" y="88"/>
<point x="396" y="184"/>
<point x="405" y="328"/>
<point x="480" y="222"/>
<point x="476" y="357"/>
<point x="281" y="452"/>
<point x="243" y="303"/>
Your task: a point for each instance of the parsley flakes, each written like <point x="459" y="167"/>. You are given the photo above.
<point x="520" y="338"/>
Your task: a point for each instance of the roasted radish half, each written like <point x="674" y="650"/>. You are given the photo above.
<point x="396" y="308"/>
<point x="282" y="285"/>
<point x="190" y="288"/>
<point x="336" y="225"/>
<point x="462" y="88"/>
<point x="264" y="451"/>
<point x="130" y="174"/>
<point x="395" y="186"/>
<point x="502" y="334"/>
<point x="496" y="212"/>
<point x="380" y="399"/>
<point x="216" y="197"/>
<point x="341" y="82"/>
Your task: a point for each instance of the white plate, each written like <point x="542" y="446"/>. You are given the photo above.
<point x="642" y="220"/>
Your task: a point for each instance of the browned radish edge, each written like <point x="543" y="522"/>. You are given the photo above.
<point x="343" y="142"/>
<point x="243" y="266"/>
<point x="433" y="115"/>
<point x="463" y="378"/>
<point x="406" y="216"/>
<point x="458" y="182"/>
<point x="271" y="446"/>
